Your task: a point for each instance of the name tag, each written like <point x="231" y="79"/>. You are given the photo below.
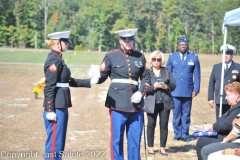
<point x="191" y="63"/>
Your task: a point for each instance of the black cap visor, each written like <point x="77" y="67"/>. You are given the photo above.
<point x="229" y="51"/>
<point x="65" y="40"/>
<point x="132" y="38"/>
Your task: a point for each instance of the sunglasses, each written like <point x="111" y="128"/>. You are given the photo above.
<point x="157" y="59"/>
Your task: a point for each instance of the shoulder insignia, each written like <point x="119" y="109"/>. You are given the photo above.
<point x="53" y="68"/>
<point x="102" y="68"/>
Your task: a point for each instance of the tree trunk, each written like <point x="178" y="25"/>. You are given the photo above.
<point x="195" y="35"/>
<point x="186" y="28"/>
<point x="169" y="43"/>
<point x="212" y="37"/>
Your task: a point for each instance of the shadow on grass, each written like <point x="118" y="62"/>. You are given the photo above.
<point x="182" y="148"/>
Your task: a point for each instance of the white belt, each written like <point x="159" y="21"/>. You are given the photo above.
<point x="125" y="81"/>
<point x="62" y="85"/>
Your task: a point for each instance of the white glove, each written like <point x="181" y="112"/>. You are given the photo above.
<point x="94" y="80"/>
<point x="136" y="97"/>
<point x="90" y="73"/>
<point x="51" y="116"/>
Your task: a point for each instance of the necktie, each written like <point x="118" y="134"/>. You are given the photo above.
<point x="183" y="59"/>
<point x="226" y="67"/>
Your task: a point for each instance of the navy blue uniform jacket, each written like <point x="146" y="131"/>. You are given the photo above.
<point x="118" y="65"/>
<point x="56" y="71"/>
<point x="231" y="75"/>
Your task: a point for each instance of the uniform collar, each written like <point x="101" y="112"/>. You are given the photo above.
<point x="55" y="52"/>
<point x="128" y="52"/>
<point x="229" y="64"/>
<point x="185" y="54"/>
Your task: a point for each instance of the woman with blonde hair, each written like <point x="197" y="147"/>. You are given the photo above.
<point x="57" y="98"/>
<point x="158" y="101"/>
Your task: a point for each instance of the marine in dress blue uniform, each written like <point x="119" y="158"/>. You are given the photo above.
<point x="57" y="98"/>
<point x="231" y="74"/>
<point x="125" y="66"/>
<point x="185" y="68"/>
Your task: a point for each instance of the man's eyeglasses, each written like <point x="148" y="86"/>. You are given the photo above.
<point x="157" y="59"/>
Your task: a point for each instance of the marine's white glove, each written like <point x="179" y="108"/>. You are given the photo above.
<point x="136" y="97"/>
<point x="90" y="73"/>
<point x="94" y="80"/>
<point x="51" y="116"/>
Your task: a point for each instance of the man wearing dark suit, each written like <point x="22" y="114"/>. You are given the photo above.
<point x="185" y="68"/>
<point x="231" y="74"/>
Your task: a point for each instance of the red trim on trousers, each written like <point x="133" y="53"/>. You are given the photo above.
<point x="53" y="138"/>
<point x="111" y="139"/>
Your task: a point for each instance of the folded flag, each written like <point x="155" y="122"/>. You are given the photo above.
<point x="200" y="133"/>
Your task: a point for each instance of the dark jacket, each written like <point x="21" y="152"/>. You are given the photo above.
<point x="167" y="78"/>
<point x="224" y="124"/>
<point x="119" y="65"/>
<point x="232" y="74"/>
<point x="56" y="71"/>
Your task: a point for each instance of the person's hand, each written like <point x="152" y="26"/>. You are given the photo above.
<point x="51" y="116"/>
<point x="211" y="103"/>
<point x="94" y="80"/>
<point x="231" y="151"/>
<point x="194" y="94"/>
<point x="160" y="85"/>
<point x="207" y="127"/>
<point x="136" y="97"/>
<point x="224" y="140"/>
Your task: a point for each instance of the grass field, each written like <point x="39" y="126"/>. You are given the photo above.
<point x="39" y="56"/>
<point x="21" y="124"/>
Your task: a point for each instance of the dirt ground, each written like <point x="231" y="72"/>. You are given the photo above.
<point x="88" y="137"/>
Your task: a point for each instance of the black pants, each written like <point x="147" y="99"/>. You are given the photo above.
<point x="203" y="141"/>
<point x="163" y="122"/>
<point x="225" y="108"/>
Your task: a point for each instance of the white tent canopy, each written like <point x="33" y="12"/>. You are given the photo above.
<point x="231" y="18"/>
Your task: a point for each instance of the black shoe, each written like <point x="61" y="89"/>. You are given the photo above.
<point x="188" y="139"/>
<point x="152" y="153"/>
<point x="176" y="139"/>
<point x="164" y="154"/>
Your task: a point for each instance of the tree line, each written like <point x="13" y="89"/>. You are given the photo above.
<point x="160" y="23"/>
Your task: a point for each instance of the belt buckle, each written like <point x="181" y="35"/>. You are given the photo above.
<point x="131" y="81"/>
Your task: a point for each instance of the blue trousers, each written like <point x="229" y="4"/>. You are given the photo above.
<point x="133" y="122"/>
<point x="181" y="116"/>
<point x="56" y="134"/>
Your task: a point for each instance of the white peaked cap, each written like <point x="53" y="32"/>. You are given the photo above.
<point x="229" y="48"/>
<point x="127" y="32"/>
<point x="58" y="35"/>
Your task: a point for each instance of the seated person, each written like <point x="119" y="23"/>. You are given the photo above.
<point x="223" y="126"/>
<point x="229" y="143"/>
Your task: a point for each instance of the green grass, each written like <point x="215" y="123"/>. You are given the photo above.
<point x="39" y="56"/>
